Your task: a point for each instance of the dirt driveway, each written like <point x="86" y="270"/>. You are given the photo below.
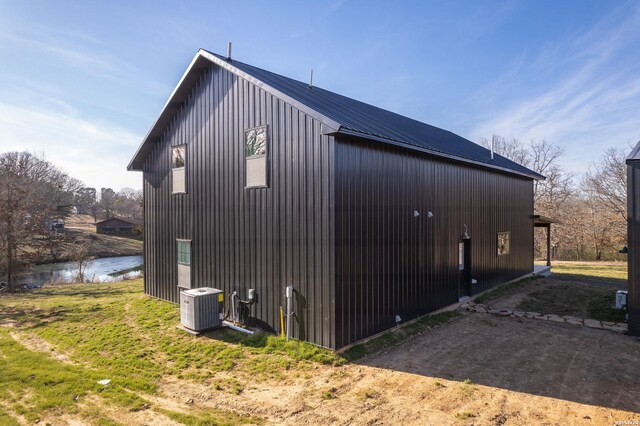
<point x="571" y="367"/>
<point x="479" y="369"/>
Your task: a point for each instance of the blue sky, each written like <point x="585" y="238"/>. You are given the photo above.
<point x="83" y="81"/>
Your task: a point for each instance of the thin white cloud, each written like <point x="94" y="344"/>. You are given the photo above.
<point x="594" y="98"/>
<point x="79" y="51"/>
<point x="92" y="63"/>
<point x="96" y="153"/>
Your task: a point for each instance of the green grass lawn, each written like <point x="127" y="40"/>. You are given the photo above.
<point x="582" y="289"/>
<point x="601" y="271"/>
<point x="112" y="331"/>
<point x="573" y="299"/>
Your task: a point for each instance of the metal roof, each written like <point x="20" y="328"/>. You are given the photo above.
<point x="539" y="220"/>
<point x="635" y="154"/>
<point x="121" y="219"/>
<point x="339" y="114"/>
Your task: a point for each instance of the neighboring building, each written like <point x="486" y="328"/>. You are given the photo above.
<point x="253" y="180"/>
<point x="116" y="225"/>
<point x="633" y="237"/>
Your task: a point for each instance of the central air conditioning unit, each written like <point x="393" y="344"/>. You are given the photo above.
<point x="201" y="308"/>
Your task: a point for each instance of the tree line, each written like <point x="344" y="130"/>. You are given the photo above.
<point x="126" y="203"/>
<point x="34" y="195"/>
<point x="591" y="209"/>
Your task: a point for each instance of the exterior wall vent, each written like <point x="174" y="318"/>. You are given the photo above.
<point x="201" y="308"/>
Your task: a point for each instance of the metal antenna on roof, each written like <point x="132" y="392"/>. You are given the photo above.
<point x="311" y="79"/>
<point x="492" y="148"/>
<point x="229" y="51"/>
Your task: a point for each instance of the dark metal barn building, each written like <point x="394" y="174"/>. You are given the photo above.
<point x="633" y="237"/>
<point x="253" y="180"/>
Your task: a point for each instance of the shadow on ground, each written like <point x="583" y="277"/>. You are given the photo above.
<point x="93" y="290"/>
<point x="587" y="366"/>
<point x="619" y="284"/>
<point x="19" y="317"/>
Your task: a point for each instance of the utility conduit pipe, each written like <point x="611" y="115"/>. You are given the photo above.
<point x="289" y="296"/>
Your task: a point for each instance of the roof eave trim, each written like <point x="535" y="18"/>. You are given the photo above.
<point x="135" y="164"/>
<point x="634" y="155"/>
<point x="348" y="132"/>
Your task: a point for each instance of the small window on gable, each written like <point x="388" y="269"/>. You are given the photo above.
<point x="184" y="263"/>
<point x="178" y="163"/>
<point x="503" y="243"/>
<point x="255" y="150"/>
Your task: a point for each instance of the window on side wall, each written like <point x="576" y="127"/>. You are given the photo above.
<point x="255" y="151"/>
<point x="503" y="243"/>
<point x="178" y="163"/>
<point x="184" y="263"/>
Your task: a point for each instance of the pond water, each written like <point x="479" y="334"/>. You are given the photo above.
<point x="98" y="269"/>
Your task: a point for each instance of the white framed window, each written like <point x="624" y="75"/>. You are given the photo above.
<point x="256" y="154"/>
<point x="178" y="166"/>
<point x="183" y="250"/>
<point x="460" y="256"/>
<point x="504" y="243"/>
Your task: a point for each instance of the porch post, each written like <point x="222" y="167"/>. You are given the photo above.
<point x="549" y="244"/>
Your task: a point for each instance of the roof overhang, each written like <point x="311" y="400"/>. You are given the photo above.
<point x="539" y="220"/>
<point x="348" y="132"/>
<point x="121" y="219"/>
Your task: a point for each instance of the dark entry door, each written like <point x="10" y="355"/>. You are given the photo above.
<point x="464" y="266"/>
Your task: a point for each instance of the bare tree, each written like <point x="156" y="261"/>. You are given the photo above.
<point x="544" y="158"/>
<point x="85" y="200"/>
<point x="128" y="203"/>
<point x="82" y="258"/>
<point x="125" y="203"/>
<point x="606" y="181"/>
<point x="509" y="148"/>
<point x="95" y="210"/>
<point x="557" y="187"/>
<point x="555" y="195"/>
<point x="32" y="192"/>
<point x="107" y="201"/>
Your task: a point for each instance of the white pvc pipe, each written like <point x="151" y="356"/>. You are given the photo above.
<point x="289" y="295"/>
<point x="234" y="315"/>
<point x="236" y="328"/>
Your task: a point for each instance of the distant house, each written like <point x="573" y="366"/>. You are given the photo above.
<point x="116" y="225"/>
<point x="254" y="181"/>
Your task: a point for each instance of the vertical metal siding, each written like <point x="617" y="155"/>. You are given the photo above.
<point x="633" y="229"/>
<point x="388" y="262"/>
<point x="257" y="238"/>
<point x="336" y="221"/>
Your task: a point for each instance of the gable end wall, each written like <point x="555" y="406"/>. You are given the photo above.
<point x="263" y="238"/>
